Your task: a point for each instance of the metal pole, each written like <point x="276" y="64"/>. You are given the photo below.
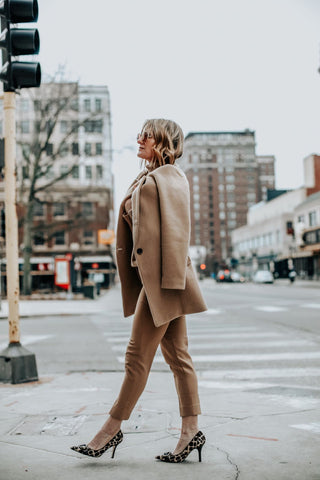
<point x="11" y="216"/>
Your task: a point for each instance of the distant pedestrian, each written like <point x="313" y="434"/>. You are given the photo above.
<point x="158" y="285"/>
<point x="292" y="275"/>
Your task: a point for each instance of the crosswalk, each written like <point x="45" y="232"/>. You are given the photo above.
<point x="231" y="355"/>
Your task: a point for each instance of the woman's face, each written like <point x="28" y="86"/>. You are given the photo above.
<point x="146" y="143"/>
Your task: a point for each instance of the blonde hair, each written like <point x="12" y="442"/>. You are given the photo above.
<point x="169" y="141"/>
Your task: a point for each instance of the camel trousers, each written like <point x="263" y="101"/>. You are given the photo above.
<point x="143" y="344"/>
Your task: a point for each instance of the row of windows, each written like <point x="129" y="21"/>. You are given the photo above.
<point x="91" y="171"/>
<point x="59" y="209"/>
<point x="312" y="218"/>
<point x="90" y="126"/>
<point x="59" y="238"/>
<point x="89" y="104"/>
<point x="90" y="149"/>
<point x="265" y="240"/>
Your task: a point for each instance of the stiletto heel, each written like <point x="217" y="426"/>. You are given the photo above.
<point x="199" y="451"/>
<point x="114" y="442"/>
<point x="197" y="442"/>
<point x="114" y="451"/>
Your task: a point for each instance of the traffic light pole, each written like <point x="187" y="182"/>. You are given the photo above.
<point x="9" y="103"/>
<point x="17" y="364"/>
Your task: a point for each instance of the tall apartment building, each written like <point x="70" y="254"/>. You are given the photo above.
<point x="69" y="214"/>
<point x="226" y="177"/>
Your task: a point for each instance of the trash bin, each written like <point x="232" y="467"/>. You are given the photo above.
<point x="89" y="291"/>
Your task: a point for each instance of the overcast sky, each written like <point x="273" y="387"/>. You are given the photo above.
<point x="208" y="64"/>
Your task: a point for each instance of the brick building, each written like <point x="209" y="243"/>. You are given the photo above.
<point x="67" y="215"/>
<point x="226" y="177"/>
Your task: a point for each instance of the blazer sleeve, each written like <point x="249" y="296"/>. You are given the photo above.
<point x="174" y="203"/>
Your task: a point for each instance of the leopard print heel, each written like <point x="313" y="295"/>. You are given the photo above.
<point x="196" y="443"/>
<point x="85" y="450"/>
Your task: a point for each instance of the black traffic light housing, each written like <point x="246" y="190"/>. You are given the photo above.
<point x="16" y="41"/>
<point x="3" y="223"/>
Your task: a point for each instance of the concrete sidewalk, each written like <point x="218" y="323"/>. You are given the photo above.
<point x="250" y="435"/>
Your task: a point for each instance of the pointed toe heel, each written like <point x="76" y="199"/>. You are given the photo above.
<point x="196" y="443"/>
<point x="90" y="452"/>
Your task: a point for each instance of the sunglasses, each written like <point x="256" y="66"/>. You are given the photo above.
<point x="144" y="136"/>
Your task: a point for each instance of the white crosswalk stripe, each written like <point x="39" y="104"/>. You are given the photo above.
<point x="237" y="356"/>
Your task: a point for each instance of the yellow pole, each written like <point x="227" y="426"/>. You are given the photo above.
<point x="9" y="103"/>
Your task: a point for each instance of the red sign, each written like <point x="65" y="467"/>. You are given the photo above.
<point x="62" y="273"/>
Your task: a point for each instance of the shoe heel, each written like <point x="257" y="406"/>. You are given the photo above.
<point x="114" y="450"/>
<point x="199" y="451"/>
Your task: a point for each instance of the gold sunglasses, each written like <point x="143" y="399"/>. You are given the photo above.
<point x="144" y="136"/>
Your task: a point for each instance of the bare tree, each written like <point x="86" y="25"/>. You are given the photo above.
<point x="55" y="123"/>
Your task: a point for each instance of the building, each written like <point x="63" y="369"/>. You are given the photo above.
<point x="71" y="125"/>
<point x="226" y="177"/>
<point x="283" y="233"/>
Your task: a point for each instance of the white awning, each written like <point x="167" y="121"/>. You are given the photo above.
<point x="95" y="259"/>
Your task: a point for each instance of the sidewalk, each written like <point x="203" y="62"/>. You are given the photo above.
<point x="250" y="436"/>
<point x="29" y="308"/>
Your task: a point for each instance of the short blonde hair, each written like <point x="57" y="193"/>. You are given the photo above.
<point x="169" y="141"/>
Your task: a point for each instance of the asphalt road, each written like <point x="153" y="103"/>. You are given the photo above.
<point x="253" y="336"/>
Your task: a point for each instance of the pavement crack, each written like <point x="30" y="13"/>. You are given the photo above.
<point x="230" y="461"/>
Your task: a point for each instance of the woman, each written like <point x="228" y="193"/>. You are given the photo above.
<point x="158" y="285"/>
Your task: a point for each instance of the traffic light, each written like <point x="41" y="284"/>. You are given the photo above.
<point x="19" y="41"/>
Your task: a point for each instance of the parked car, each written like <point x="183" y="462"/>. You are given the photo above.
<point x="224" y="276"/>
<point x="263" y="276"/>
<point x="237" y="278"/>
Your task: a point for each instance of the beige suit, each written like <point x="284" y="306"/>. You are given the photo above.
<point x="158" y="285"/>
<point x="159" y="243"/>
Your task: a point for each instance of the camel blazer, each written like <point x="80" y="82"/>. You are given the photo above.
<point x="155" y="254"/>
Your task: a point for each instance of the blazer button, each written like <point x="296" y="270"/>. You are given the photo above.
<point x="139" y="251"/>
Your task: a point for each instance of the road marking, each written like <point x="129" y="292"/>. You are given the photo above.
<point x="270" y="309"/>
<point x="233" y="385"/>
<point x="232" y="345"/>
<point x="310" y="305"/>
<point x="212" y="311"/>
<point x="28" y="339"/>
<point x="311" y="427"/>
<point x="255" y="373"/>
<point x="257" y="357"/>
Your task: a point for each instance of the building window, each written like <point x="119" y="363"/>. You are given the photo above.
<point x="38" y="238"/>
<point x="75" y="171"/>
<point x="98" y="124"/>
<point x="59" y="238"/>
<point x="63" y="126"/>
<point x="58" y="209"/>
<point x="24" y="104"/>
<point x="99" y="172"/>
<point x="49" y="172"/>
<point x="88" y="172"/>
<point x="63" y="150"/>
<point x="87" y="209"/>
<point x="64" y="169"/>
<point x="301" y="219"/>
<point x="25" y="126"/>
<point x="49" y="149"/>
<point x="74" y="126"/>
<point x="75" y="148"/>
<point x="87" y="105"/>
<point x="87" y="148"/>
<point x="312" y="218"/>
<point x="88" y="237"/>
<point x="38" y="210"/>
<point x="98" y="148"/>
<point x="25" y="172"/>
<point x="98" y="103"/>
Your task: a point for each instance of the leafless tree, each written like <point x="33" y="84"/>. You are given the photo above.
<point x="40" y="152"/>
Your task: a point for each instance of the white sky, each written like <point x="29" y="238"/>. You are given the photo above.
<point x="207" y="64"/>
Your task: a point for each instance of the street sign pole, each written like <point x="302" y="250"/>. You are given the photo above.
<point x="17" y="364"/>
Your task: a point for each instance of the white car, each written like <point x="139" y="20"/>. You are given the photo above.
<point x="263" y="276"/>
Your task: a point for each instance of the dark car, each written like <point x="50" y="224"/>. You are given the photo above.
<point x="224" y="276"/>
